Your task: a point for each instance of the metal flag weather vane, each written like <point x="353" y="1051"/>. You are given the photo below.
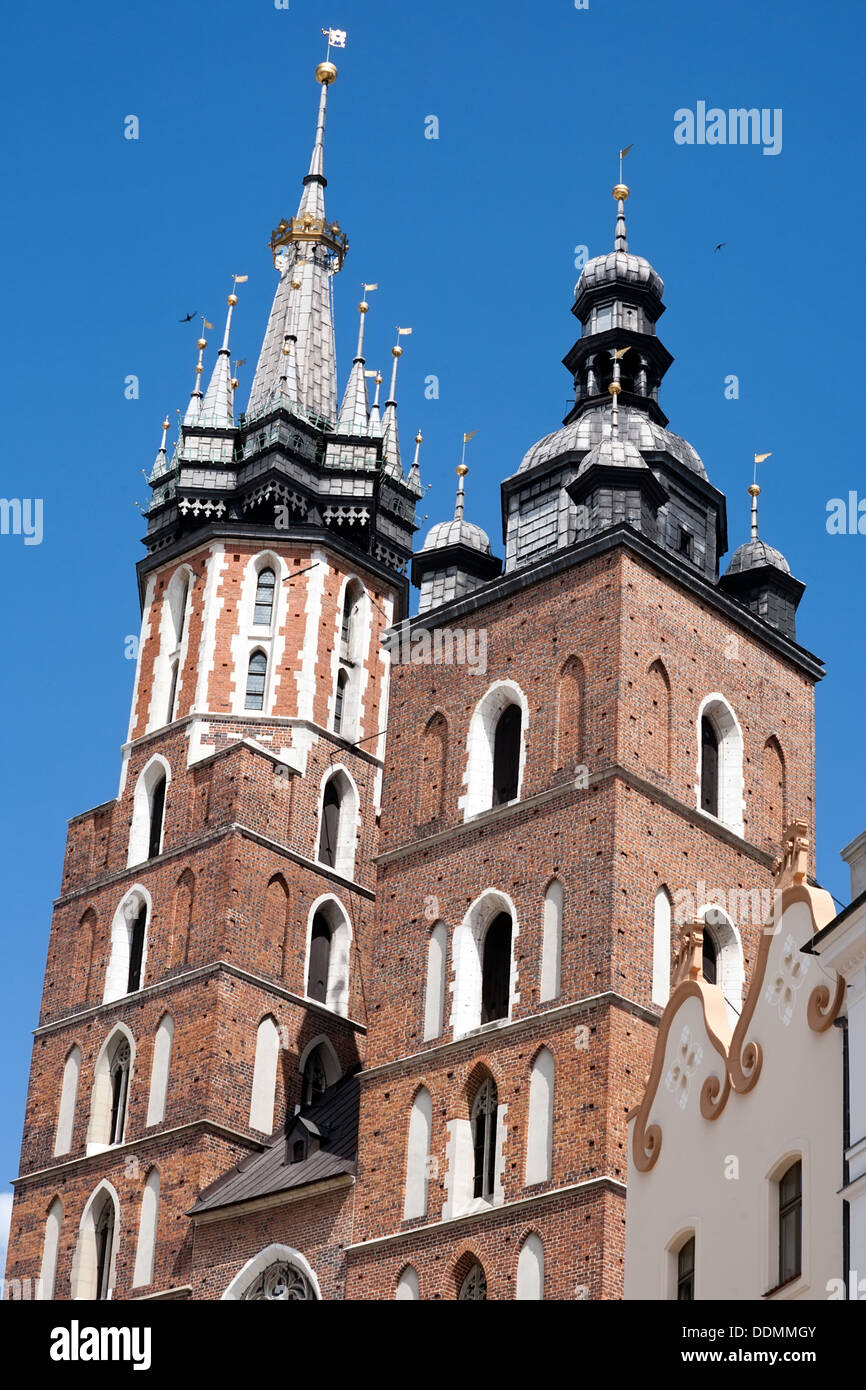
<point x="759" y="458"/>
<point x="336" y="39"/>
<point x="622" y="155"/>
<point x="466" y="439"/>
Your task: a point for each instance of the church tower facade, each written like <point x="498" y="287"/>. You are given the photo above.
<point x="203" y="976"/>
<point x="624" y="762"/>
<point x="327" y="1015"/>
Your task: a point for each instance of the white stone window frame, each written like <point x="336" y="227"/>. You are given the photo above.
<point x="418" y="1141"/>
<point x="163" y="1044"/>
<point x="142" y="809"/>
<point x="529" y="1284"/>
<point x="730" y="961"/>
<point x="117" y="972"/>
<point x="478" y="774"/>
<point x="467" y="959"/>
<point x="339" y="959"/>
<point x="553" y="911"/>
<point x="349" y="823"/>
<point x="84" y="1261"/>
<point x="251" y="637"/>
<point x="460" y="1199"/>
<point x="351" y="657"/>
<point x="661" y="957"/>
<point x="731" y="802"/>
<point x="539" y="1128"/>
<point x="148" y="1223"/>
<point x="436" y="981"/>
<point x="50" y="1250"/>
<point x="266" y="1062"/>
<point x="99" y="1121"/>
<point x="173" y="640"/>
<point x="272" y="1254"/>
<point x="68" y="1101"/>
<point x="797" y="1149"/>
<point x="670" y="1266"/>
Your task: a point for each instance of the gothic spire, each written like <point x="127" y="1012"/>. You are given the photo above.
<point x="217" y="408"/>
<point x="391" y="448"/>
<point x="414" y="479"/>
<point x="312" y="250"/>
<point x="375" y="418"/>
<point x="159" y="462"/>
<point x="193" y="410"/>
<point x="355" y="410"/>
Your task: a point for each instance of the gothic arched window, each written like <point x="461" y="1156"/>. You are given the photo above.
<point x="315" y="1079"/>
<point x="474" y="1286"/>
<point x="157" y="815"/>
<point x="320" y="959"/>
<point x="264" y="608"/>
<point x="496" y="969"/>
<point x="329" y="835"/>
<point x="104" y="1231"/>
<point x="256" y="673"/>
<point x="119" y="1079"/>
<point x="136" y="949"/>
<point x="483" y="1119"/>
<point x="340" y="699"/>
<point x="281" y="1282"/>
<point x="686" y="1271"/>
<point x="709" y="767"/>
<point x="506" y="755"/>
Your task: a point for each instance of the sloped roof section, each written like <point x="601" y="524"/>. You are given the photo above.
<point x="334" y="1115"/>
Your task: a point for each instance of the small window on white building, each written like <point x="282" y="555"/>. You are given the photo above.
<point x="685" y="1270"/>
<point x="789" y="1189"/>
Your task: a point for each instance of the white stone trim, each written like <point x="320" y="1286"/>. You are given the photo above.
<point x="551" y="941"/>
<point x="82" y="1279"/>
<point x="732" y="803"/>
<point x="467" y="955"/>
<point x="147" y="1227"/>
<point x="539" y="1130"/>
<point x="337" y="998"/>
<point x="478" y="774"/>
<point x="661" y="977"/>
<point x="418" y="1155"/>
<point x="349" y="823"/>
<point x="530" y="1269"/>
<point x="142" y="809"/>
<point x="434" y="993"/>
<point x="730" y="963"/>
<point x="98" y="1128"/>
<point x="68" y="1100"/>
<point x="212" y="604"/>
<point x="264" y="1088"/>
<point x="307" y="657"/>
<point x="159" y="1071"/>
<point x="50" y="1246"/>
<point x="117" y="972"/>
<point x="273" y="1254"/>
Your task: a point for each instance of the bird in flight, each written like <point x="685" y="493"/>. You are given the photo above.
<point x="188" y="317"/>
<point x="720" y="245"/>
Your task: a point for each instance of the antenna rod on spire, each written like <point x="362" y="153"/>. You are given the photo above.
<point x="620" y="192"/>
<point x="363" y="308"/>
<point x="396" y="353"/>
<point x="755" y="492"/>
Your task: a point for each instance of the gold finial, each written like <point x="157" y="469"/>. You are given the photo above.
<point x="620" y="192"/>
<point x="754" y="490"/>
<point x="462" y="469"/>
<point x="363" y="307"/>
<point x="378" y="378"/>
<point x="396" y="350"/>
<point x="166" y="422"/>
<point x="232" y="300"/>
<point x="201" y="344"/>
<point x="198" y="368"/>
<point x="326" y="73"/>
<point x="419" y="438"/>
<point x="614" y="388"/>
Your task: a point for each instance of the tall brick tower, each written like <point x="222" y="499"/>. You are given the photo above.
<point x="287" y="1053"/>
<point x="626" y="760"/>
<point x="205" y="965"/>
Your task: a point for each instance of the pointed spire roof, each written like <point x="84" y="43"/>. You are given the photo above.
<point x="311" y="250"/>
<point x="414" y="479"/>
<point x="355" y="410"/>
<point x="459" y="531"/>
<point x="217" y="408"/>
<point x="375" y="417"/>
<point x="159" y="464"/>
<point x="391" y="448"/>
<point x="193" y="410"/>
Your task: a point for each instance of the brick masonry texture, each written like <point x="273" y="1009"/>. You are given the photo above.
<point x="614" y="660"/>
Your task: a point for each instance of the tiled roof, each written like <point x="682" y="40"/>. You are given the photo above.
<point x="334" y="1115"/>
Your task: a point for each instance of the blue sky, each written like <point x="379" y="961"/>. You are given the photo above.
<point x="471" y="237"/>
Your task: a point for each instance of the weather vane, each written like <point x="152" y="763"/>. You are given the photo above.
<point x="336" y="38"/>
<point x="622" y="155"/>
